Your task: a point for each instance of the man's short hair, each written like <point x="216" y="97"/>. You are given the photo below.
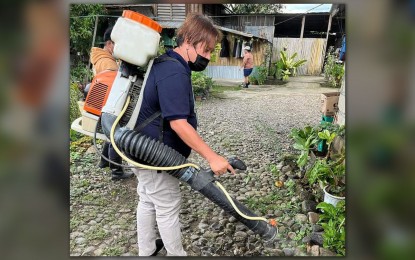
<point x="107" y="34"/>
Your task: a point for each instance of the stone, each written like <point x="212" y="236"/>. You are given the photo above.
<point x="316" y="238"/>
<point x="305" y="195"/>
<point x="98" y="252"/>
<point x="317" y="228"/>
<point x="296" y="227"/>
<point x="308" y="205"/>
<point x="313" y="217"/>
<point x="278" y="213"/>
<point x="291" y="235"/>
<point x="88" y="250"/>
<point x="286" y="169"/>
<point x="80" y="240"/>
<point x="306" y="239"/>
<point x="326" y="252"/>
<point x="300" y="218"/>
<point x="315" y="250"/>
<point x="288" y="251"/>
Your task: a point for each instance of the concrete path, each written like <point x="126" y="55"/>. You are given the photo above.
<point x="300" y="85"/>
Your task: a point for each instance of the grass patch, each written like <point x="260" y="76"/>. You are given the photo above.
<point x="74" y="223"/>
<point x="112" y="251"/>
<point x="265" y="203"/>
<point x="217" y="89"/>
<point x="96" y="234"/>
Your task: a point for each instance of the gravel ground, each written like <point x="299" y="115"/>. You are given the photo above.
<point x="252" y="124"/>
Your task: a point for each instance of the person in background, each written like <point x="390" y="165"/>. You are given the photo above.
<point x="169" y="90"/>
<point x="102" y="61"/>
<point x="247" y="65"/>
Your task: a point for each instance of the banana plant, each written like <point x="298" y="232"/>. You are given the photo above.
<point x="288" y="66"/>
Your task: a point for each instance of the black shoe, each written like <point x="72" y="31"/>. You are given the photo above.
<point x="103" y="163"/>
<point x="119" y="174"/>
<point x="159" y="246"/>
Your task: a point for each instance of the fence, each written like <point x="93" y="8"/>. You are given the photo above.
<point x="311" y="49"/>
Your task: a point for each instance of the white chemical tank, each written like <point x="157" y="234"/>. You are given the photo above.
<point x="136" y="38"/>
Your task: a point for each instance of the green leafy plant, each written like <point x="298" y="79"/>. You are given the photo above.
<point x="74" y="96"/>
<point x="215" y="53"/>
<point x="287" y="66"/>
<point x="327" y="137"/>
<point x="290" y="184"/>
<point x="201" y="84"/>
<point x="339" y="130"/>
<point x="333" y="220"/>
<point x="332" y="173"/>
<point x="305" y="139"/>
<point x="333" y="71"/>
<point x="259" y="75"/>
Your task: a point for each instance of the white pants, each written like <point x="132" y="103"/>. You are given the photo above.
<point x="159" y="202"/>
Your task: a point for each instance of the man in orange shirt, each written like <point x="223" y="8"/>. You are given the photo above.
<point x="247" y="65"/>
<point x="102" y="61"/>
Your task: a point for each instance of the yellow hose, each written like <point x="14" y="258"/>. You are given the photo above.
<point x="139" y="164"/>
<point x="235" y="207"/>
<point x="170" y="167"/>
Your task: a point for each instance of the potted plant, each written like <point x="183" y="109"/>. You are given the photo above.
<point x="330" y="175"/>
<point x="326" y="138"/>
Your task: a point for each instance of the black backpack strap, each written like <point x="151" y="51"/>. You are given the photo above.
<point x="159" y="59"/>
<point x="147" y="121"/>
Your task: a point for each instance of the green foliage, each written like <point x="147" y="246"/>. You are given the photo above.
<point x="82" y="24"/>
<point x="264" y="203"/>
<point x="201" y="84"/>
<point x="331" y="173"/>
<point x="260" y="74"/>
<point x="333" y="71"/>
<point x="80" y="73"/>
<point x="254" y="8"/>
<point x="81" y="30"/>
<point x="274" y="170"/>
<point x="290" y="184"/>
<point x="304" y="139"/>
<point x="161" y="49"/>
<point x="339" y="130"/>
<point x="215" y="53"/>
<point x="74" y="96"/>
<point x="333" y="220"/>
<point x="287" y="66"/>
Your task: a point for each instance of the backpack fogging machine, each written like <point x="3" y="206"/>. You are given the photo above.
<point x="120" y="112"/>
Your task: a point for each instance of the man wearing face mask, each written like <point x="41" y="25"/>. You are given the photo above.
<point x="169" y="90"/>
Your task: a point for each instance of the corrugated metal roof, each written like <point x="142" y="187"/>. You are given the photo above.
<point x="177" y="24"/>
<point x="146" y="10"/>
<point x="170" y="24"/>
<point x="234" y="31"/>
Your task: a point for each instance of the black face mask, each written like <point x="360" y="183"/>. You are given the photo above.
<point x="199" y="64"/>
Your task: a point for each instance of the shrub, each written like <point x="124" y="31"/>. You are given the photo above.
<point x="333" y="220"/>
<point x="333" y="71"/>
<point x="201" y="84"/>
<point x="259" y="75"/>
<point x="74" y="96"/>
